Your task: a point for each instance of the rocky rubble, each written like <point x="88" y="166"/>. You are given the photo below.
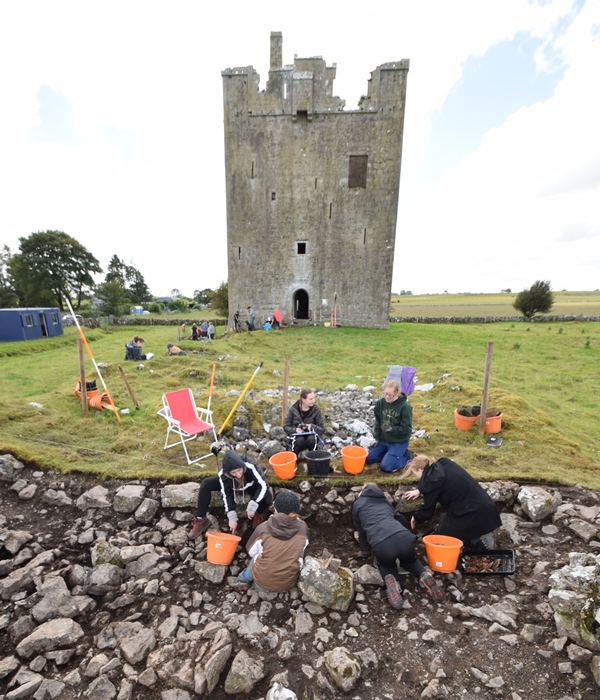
<point x="102" y="596"/>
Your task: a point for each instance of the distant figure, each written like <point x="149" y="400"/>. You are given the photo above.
<point x="211" y="331"/>
<point x="237" y="324"/>
<point x="251" y="318"/>
<point x="182" y="330"/>
<point x="267" y="325"/>
<point x="194" y="331"/>
<point x="133" y="349"/>
<point x="277" y="319"/>
<point x="174" y="350"/>
<point x="204" y="329"/>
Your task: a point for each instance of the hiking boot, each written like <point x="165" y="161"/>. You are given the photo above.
<point x="198" y="527"/>
<point x="237" y="585"/>
<point x="431" y="587"/>
<point x="393" y="591"/>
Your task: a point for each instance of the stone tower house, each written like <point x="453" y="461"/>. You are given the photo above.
<point x="312" y="191"/>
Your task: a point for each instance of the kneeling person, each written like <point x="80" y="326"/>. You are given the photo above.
<point x="277" y="547"/>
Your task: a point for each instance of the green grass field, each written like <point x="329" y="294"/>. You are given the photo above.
<point x="565" y="304"/>
<point x="544" y="379"/>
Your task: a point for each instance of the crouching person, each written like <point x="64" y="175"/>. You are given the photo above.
<point x="385" y="532"/>
<point x="276" y="547"/>
<point x="239" y="481"/>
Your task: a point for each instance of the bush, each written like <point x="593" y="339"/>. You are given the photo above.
<point x="537" y="299"/>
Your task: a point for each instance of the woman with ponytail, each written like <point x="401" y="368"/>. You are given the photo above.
<point x="469" y="513"/>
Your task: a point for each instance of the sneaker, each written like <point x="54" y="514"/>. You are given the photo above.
<point x="393" y="591"/>
<point x="198" y="527"/>
<point x="431" y="587"/>
<point x="237" y="585"/>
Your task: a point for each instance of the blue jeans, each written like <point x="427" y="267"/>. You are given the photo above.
<point x="246" y="574"/>
<point x="390" y="455"/>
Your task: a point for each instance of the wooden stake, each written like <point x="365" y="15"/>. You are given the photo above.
<point x="82" y="384"/>
<point x="486" y="386"/>
<point x="286" y="385"/>
<point x="129" y="389"/>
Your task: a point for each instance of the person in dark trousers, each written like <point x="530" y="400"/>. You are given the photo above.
<point x="469" y="513"/>
<point x="240" y="481"/>
<point x="384" y="532"/>
<point x="276" y="547"/>
<point x="393" y="428"/>
<point x="237" y="324"/>
<point x="251" y="320"/>
<point x="304" y="422"/>
<point x="133" y="349"/>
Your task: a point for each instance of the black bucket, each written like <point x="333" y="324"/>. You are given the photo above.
<point x="318" y="462"/>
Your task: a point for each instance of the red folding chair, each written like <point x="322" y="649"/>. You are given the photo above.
<point x="185" y="421"/>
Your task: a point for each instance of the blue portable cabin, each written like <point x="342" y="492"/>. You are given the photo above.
<point x="29" y="324"/>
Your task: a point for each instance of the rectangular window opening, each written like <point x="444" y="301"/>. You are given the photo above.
<point x="272" y="196"/>
<point x="239" y="252"/>
<point x="365" y="237"/>
<point x="357" y="171"/>
<point x="330" y="209"/>
<point x="252" y="170"/>
<point x="301" y="247"/>
<point x="28" y="320"/>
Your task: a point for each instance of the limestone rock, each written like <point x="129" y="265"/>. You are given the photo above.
<point x="343" y="668"/>
<point x="55" y="634"/>
<point x="324" y="587"/>
<point x="244" y="673"/>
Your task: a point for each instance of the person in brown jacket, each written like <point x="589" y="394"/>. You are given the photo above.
<point x="276" y="547"/>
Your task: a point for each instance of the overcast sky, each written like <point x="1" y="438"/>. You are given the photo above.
<point x="111" y="130"/>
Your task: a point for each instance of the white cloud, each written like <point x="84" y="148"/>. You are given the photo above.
<point x="150" y="72"/>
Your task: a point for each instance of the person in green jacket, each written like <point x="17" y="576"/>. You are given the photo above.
<point x="393" y="428"/>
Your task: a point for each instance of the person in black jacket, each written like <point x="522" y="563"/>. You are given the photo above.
<point x="384" y="531"/>
<point x="304" y="423"/>
<point x="133" y="349"/>
<point x="470" y="514"/>
<point x="240" y="480"/>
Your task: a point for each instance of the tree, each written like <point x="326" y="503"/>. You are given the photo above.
<point x="113" y="298"/>
<point x="220" y="299"/>
<point x="52" y="267"/>
<point x="8" y="296"/>
<point x="130" y="278"/>
<point x="537" y="299"/>
<point x="202" y="296"/>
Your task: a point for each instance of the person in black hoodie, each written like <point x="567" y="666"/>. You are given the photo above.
<point x="384" y="532"/>
<point x="470" y="514"/>
<point x="276" y="547"/>
<point x="240" y="480"/>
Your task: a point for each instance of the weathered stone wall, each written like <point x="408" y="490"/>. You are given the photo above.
<point x="299" y="237"/>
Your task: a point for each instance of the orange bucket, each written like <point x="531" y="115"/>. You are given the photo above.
<point x="221" y="547"/>
<point x="284" y="464"/>
<point x="464" y="422"/>
<point x="354" y="458"/>
<point x="442" y="552"/>
<point x="493" y="424"/>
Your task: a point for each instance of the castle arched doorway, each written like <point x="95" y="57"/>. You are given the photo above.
<point x="301" y="304"/>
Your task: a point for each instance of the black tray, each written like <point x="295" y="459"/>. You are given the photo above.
<point x="494" y="562"/>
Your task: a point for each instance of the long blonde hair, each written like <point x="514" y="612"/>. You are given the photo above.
<point x="417" y="463"/>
